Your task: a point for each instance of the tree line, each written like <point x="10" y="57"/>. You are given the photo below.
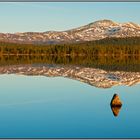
<point x="107" y="46"/>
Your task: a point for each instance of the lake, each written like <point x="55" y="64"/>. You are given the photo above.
<point x="51" y="100"/>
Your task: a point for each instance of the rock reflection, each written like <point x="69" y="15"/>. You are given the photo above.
<point x="116" y="105"/>
<point x="116" y="110"/>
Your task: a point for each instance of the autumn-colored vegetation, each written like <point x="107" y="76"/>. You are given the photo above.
<point x="108" y="46"/>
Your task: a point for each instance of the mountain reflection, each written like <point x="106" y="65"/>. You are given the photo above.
<point x="92" y="76"/>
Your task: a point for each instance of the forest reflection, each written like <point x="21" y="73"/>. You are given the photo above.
<point x="122" y="63"/>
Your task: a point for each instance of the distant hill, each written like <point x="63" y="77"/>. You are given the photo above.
<point x="94" y="31"/>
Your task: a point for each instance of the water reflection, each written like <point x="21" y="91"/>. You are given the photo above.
<point x="86" y="71"/>
<point x="113" y="63"/>
<point x="116" y="110"/>
<point x="92" y="76"/>
<point x="32" y="101"/>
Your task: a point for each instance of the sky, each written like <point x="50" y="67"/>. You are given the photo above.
<point x="59" y="16"/>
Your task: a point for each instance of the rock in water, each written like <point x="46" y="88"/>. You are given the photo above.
<point x="116" y="105"/>
<point x="116" y="101"/>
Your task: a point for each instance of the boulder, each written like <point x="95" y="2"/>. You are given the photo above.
<point x="116" y="101"/>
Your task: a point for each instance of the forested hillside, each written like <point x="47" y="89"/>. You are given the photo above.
<point x="108" y="46"/>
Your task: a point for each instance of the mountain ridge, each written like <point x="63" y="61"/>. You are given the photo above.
<point x="93" y="31"/>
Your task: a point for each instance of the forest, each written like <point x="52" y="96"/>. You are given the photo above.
<point x="107" y="46"/>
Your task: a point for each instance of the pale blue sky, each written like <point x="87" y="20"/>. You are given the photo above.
<point x="37" y="16"/>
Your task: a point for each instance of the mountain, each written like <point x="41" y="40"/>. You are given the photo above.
<point x="92" y="76"/>
<point x="93" y="31"/>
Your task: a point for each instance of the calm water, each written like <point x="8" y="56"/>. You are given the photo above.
<point x="43" y="107"/>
